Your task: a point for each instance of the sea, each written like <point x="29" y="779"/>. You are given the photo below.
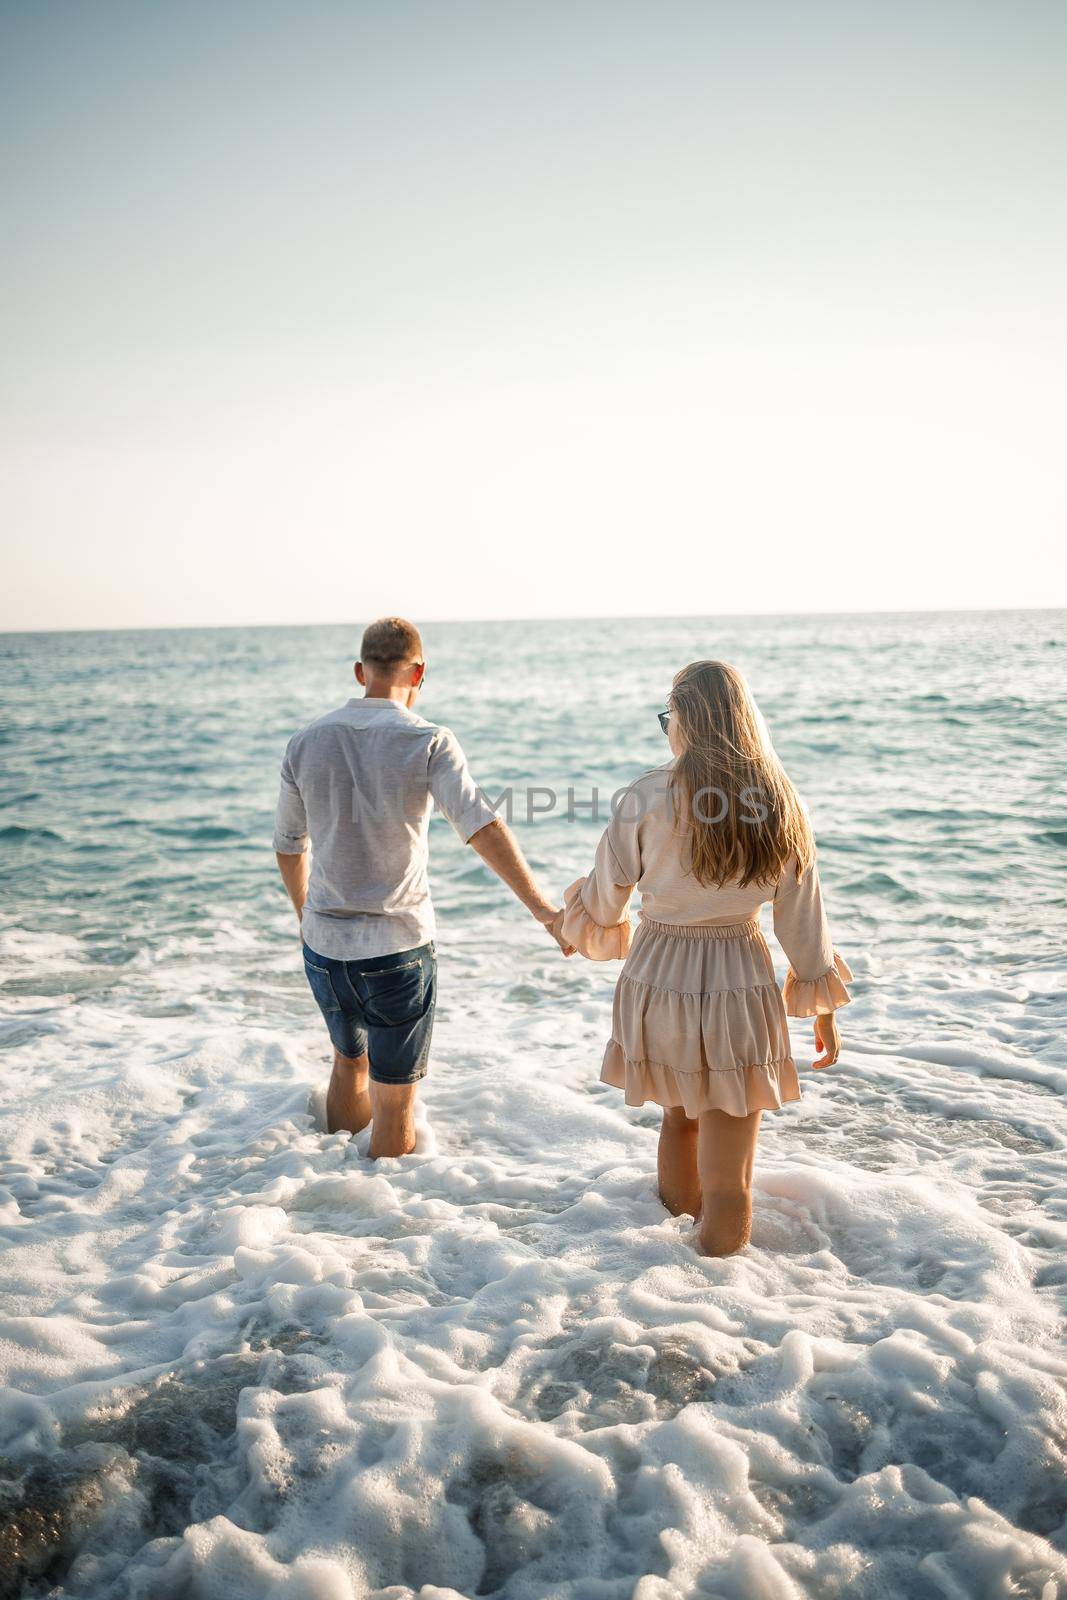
<point x="241" y="1361"/>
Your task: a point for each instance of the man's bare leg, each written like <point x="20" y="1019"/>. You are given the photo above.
<point x="347" y="1101"/>
<point x="726" y="1156"/>
<point x="393" y="1129"/>
<point x="679" y="1179"/>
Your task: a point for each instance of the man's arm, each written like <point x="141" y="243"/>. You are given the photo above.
<point x="499" y="849"/>
<point x="294" y="871"/>
<point x="467" y="809"/>
<point x="291" y="836"/>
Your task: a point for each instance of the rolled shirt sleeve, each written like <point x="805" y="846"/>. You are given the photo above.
<point x="290" y="817"/>
<point x="454" y="790"/>
<point x="815" y="982"/>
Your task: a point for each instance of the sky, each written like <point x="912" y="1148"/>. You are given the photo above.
<point x="315" y="311"/>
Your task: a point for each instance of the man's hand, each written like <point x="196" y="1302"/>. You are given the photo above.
<point x="827" y="1038"/>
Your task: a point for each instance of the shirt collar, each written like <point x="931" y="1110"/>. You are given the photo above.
<point x="377" y="706"/>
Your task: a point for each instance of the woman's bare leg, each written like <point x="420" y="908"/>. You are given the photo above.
<point x="679" y="1180"/>
<point x="347" y="1099"/>
<point x="726" y="1156"/>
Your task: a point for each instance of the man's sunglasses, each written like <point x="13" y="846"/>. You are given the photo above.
<point x="664" y="717"/>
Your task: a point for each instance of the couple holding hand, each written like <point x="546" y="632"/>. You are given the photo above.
<point x="699" y="1022"/>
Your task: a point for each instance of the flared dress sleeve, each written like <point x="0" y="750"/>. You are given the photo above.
<point x="817" y="973"/>
<point x="596" y="908"/>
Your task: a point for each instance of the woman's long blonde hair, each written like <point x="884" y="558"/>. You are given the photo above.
<point x="742" y="816"/>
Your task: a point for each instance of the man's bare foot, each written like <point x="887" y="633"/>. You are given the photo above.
<point x="348" y="1104"/>
<point x="393" y="1133"/>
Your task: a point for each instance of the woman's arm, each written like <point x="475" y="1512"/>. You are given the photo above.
<point x="815" y="985"/>
<point x="595" y="908"/>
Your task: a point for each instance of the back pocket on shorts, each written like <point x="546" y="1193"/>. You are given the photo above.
<point x="322" y="987"/>
<point x="394" y="994"/>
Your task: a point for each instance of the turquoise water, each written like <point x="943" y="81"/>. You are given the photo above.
<point x="176" y="1223"/>
<point x="139" y="769"/>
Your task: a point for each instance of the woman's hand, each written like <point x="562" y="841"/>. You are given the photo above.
<point x="827" y="1039"/>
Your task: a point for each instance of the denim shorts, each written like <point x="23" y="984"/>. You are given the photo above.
<point x="380" y="1005"/>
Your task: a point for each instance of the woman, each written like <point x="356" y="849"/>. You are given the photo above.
<point x="699" y="1023"/>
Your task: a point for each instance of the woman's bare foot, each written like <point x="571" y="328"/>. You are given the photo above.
<point x="726" y="1154"/>
<point x="728" y="1226"/>
<point x="679" y="1180"/>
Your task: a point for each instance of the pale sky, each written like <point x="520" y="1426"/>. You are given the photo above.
<point x="313" y="311"/>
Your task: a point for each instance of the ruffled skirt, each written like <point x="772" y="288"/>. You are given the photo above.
<point x="699" y="1021"/>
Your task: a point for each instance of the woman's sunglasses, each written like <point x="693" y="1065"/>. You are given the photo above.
<point x="664" y="717"/>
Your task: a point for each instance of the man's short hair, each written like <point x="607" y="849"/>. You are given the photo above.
<point x="389" y="643"/>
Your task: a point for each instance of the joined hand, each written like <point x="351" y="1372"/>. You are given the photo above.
<point x="553" y="926"/>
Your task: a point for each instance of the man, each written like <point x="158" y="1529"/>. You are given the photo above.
<point x="360" y="783"/>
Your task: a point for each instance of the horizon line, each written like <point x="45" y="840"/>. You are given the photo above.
<point x="645" y="616"/>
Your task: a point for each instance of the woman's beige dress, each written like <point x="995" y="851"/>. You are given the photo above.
<point x="698" y="1019"/>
